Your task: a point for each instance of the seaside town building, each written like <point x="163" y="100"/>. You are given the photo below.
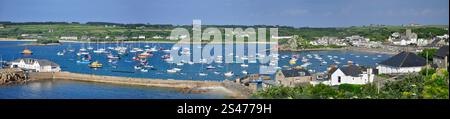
<point x="31" y="36"/>
<point x="329" y="41"/>
<point x="141" y="37"/>
<point x="157" y="37"/>
<point x="121" y="38"/>
<point x="293" y="77"/>
<point x="440" y="59"/>
<point x="404" y="62"/>
<point x="439" y="41"/>
<point x="281" y="37"/>
<point x="68" y="38"/>
<point x="35" y="65"/>
<point x="358" y="41"/>
<point x="403" y="39"/>
<point x="350" y="74"/>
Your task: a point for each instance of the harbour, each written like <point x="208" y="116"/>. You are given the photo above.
<point x="156" y="70"/>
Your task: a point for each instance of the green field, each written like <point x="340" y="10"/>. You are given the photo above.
<point x="377" y="33"/>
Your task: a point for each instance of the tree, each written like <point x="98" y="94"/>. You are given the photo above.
<point x="429" y="52"/>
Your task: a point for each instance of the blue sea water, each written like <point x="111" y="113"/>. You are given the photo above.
<point x="11" y="50"/>
<point x="67" y="89"/>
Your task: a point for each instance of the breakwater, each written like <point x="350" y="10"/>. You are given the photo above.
<point x="124" y="80"/>
<point x="183" y="85"/>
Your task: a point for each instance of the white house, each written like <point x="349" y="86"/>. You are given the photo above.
<point x="141" y="37"/>
<point x="157" y="37"/>
<point x="69" y="38"/>
<point x="281" y="37"/>
<point x="36" y="65"/>
<point x="358" y="41"/>
<point x="404" y="62"/>
<point x="403" y="39"/>
<point x="350" y="74"/>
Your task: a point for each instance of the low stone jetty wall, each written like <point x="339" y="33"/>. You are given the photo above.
<point x="184" y="85"/>
<point x="124" y="80"/>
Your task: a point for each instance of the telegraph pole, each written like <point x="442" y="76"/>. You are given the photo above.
<point x="426" y="68"/>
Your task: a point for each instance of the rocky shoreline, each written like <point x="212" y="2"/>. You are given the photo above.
<point x="370" y="50"/>
<point x="12" y="76"/>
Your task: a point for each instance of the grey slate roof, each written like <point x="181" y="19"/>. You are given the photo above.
<point x="47" y="62"/>
<point x="351" y="70"/>
<point x="442" y="52"/>
<point x="295" y="73"/>
<point x="405" y="59"/>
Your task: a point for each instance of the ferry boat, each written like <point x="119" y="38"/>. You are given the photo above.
<point x="244" y="65"/>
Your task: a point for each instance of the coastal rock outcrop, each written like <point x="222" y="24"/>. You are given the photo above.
<point x="8" y="76"/>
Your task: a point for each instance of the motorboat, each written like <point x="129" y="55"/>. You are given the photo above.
<point x="244" y="65"/>
<point x="228" y="74"/>
<point x="177" y="69"/>
<point x="244" y="72"/>
<point x="171" y="71"/>
<point x="210" y="67"/>
<point x="202" y="74"/>
<point x="95" y="64"/>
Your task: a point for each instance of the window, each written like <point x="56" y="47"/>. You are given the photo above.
<point x="339" y="79"/>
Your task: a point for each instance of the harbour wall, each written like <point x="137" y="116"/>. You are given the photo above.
<point x="124" y="80"/>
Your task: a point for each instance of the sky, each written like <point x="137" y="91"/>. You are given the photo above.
<point x="298" y="13"/>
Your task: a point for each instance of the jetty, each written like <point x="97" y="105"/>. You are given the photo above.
<point x="183" y="85"/>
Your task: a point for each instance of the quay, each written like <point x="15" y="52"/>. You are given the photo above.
<point x="184" y="85"/>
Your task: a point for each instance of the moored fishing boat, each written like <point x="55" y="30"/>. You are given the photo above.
<point x="244" y="65"/>
<point x="244" y="72"/>
<point x="202" y="74"/>
<point x="228" y="74"/>
<point x="27" y="52"/>
<point x="210" y="67"/>
<point x="293" y="61"/>
<point x="95" y="64"/>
